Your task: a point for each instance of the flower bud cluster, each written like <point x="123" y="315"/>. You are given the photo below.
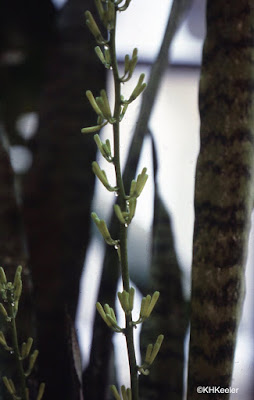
<point x="10" y="293"/>
<point x="108" y="315"/>
<point x="102" y="226"/>
<point x="127" y="300"/>
<point x="126" y="393"/>
<point x="126" y="207"/>
<point x="151" y="353"/>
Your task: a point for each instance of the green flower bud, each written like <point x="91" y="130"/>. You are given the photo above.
<point x="9" y="385"/>
<point x="133" y="61"/>
<point x="109" y="16"/>
<point x="149" y="350"/>
<point x="144" y="306"/>
<point x="115" y="392"/>
<point x="107" y="56"/>
<point x="40" y="391"/>
<point x="104" y="148"/>
<point x="131" y="298"/>
<point x="100" y="54"/>
<point x="129" y="394"/>
<point x="3" y="342"/>
<point x="17" y="284"/>
<point x="153" y="301"/>
<point x="102" y="313"/>
<point x="156" y="348"/>
<point x="32" y="361"/>
<point x="141" y="181"/>
<point x="106" y="106"/>
<point x="133" y="188"/>
<point x="93" y="103"/>
<point x="100" y="8"/>
<point x="119" y="214"/>
<point x="101" y="225"/>
<point x="101" y="175"/>
<point x="26" y="347"/>
<point x="3" y="310"/>
<point x="2" y="276"/>
<point x="138" y="89"/>
<point x="132" y="207"/>
<point x="124" y="393"/>
<point x="93" y="27"/>
<point x="126" y="64"/>
<point x="92" y="129"/>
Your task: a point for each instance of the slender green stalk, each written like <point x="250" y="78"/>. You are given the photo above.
<point x="123" y="228"/>
<point x="126" y="205"/>
<point x="16" y="354"/>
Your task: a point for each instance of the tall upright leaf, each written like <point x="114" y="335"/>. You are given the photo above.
<point x="165" y="380"/>
<point x="223" y="194"/>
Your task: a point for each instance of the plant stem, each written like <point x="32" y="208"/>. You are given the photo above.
<point x="16" y="354"/>
<point x="123" y="228"/>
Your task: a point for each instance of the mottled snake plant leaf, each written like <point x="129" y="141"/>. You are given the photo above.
<point x="223" y="193"/>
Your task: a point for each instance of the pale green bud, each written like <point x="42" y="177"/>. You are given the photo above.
<point x="3" y="310"/>
<point x="9" y="385"/>
<point x="124" y="392"/>
<point x="104" y="148"/>
<point x="119" y="214"/>
<point x="101" y="175"/>
<point x="100" y="8"/>
<point x="3" y="341"/>
<point x="133" y="61"/>
<point x="109" y="16"/>
<point x="129" y="394"/>
<point x="17" y="284"/>
<point x="156" y="348"/>
<point x="126" y="64"/>
<point x="113" y="323"/>
<point x="149" y="350"/>
<point x="106" y="106"/>
<point x="26" y="347"/>
<point x="93" y="129"/>
<point x="93" y="27"/>
<point x="102" y="313"/>
<point x="2" y="276"/>
<point x="133" y="188"/>
<point x="107" y="148"/>
<point x="100" y="54"/>
<point x="141" y="181"/>
<point x="40" y="391"/>
<point x="138" y="89"/>
<point x="153" y="301"/>
<point x="124" y="300"/>
<point x="131" y="298"/>
<point x="101" y="225"/>
<point x="132" y="207"/>
<point x="93" y="102"/>
<point x="32" y="360"/>
<point x="115" y="392"/>
<point x="107" y="56"/>
<point x="144" y="306"/>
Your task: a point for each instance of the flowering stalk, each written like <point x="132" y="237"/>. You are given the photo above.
<point x="24" y="360"/>
<point x="126" y="206"/>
